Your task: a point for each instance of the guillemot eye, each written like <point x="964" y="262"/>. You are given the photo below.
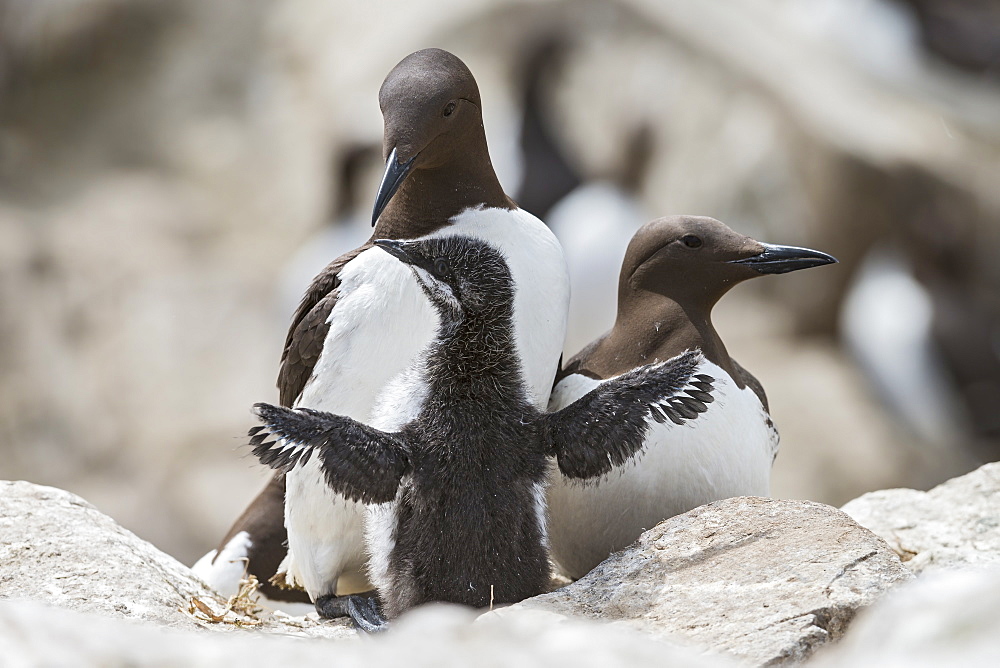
<point x="449" y="109"/>
<point x="691" y="241"/>
<point x="441" y="267"/>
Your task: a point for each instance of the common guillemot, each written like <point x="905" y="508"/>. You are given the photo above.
<point x="364" y="318"/>
<point x="673" y="273"/>
<point x="456" y="489"/>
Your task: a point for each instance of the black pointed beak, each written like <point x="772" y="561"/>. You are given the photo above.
<point x="396" y="249"/>
<point x="783" y="259"/>
<point x="394" y="174"/>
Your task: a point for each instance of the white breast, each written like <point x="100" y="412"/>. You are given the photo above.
<point x="541" y="281"/>
<point x="380" y="322"/>
<point x="380" y="325"/>
<point x="727" y="451"/>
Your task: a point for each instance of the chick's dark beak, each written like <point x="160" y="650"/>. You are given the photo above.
<point x="783" y="259"/>
<point x="395" y="173"/>
<point x="395" y="248"/>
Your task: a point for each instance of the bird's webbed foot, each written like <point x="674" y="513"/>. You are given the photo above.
<point x="363" y="609"/>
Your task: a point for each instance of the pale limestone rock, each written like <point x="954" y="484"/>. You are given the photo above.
<point x="58" y="549"/>
<point x="32" y="634"/>
<point x="767" y="580"/>
<point x="953" y="525"/>
<point x="945" y="618"/>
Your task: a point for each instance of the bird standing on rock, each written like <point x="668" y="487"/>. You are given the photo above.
<point x="460" y="483"/>
<point x="364" y="318"/>
<point x="673" y="273"/>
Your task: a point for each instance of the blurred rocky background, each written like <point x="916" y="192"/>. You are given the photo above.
<point x="171" y="175"/>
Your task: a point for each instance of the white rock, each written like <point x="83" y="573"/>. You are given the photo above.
<point x="764" y="579"/>
<point x="946" y="618"/>
<point x="953" y="525"/>
<point x="60" y="550"/>
<point x="32" y="634"/>
<point x="768" y="581"/>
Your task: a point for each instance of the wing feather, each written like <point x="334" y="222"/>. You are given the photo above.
<point x="607" y="426"/>
<point x="358" y="461"/>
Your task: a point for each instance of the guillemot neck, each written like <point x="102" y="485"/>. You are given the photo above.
<point x="478" y="347"/>
<point x="652" y="326"/>
<point x="429" y="198"/>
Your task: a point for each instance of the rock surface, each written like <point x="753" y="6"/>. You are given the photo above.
<point x="767" y="580"/>
<point x="439" y="636"/>
<point x="945" y="618"/>
<point x="955" y="524"/>
<point x="101" y="596"/>
<point x="58" y="549"/>
<point x="32" y="634"/>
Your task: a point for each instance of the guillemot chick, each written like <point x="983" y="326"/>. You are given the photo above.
<point x="673" y="273"/>
<point x="460" y="483"/>
<point x="364" y="318"/>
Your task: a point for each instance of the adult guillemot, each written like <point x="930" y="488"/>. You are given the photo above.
<point x="674" y="272"/>
<point x="364" y="318"/>
<point x="457" y="487"/>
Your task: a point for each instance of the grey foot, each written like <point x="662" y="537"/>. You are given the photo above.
<point x="363" y="610"/>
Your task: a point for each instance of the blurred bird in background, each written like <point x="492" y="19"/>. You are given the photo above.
<point x="348" y="225"/>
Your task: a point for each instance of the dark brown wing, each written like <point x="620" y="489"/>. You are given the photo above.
<point x="752" y="383"/>
<point x="578" y="363"/>
<point x="307" y="333"/>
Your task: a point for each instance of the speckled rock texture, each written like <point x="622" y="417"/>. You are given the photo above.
<point x="57" y="549"/>
<point x="33" y="634"/>
<point x="954" y="525"/>
<point x="767" y="580"/>
<point x="751" y="580"/>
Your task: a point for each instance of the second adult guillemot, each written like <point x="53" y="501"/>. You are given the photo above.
<point x="674" y="272"/>
<point x="456" y="488"/>
<point x="364" y="318"/>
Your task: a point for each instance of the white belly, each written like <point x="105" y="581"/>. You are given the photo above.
<point x="381" y="322"/>
<point x="727" y="451"/>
